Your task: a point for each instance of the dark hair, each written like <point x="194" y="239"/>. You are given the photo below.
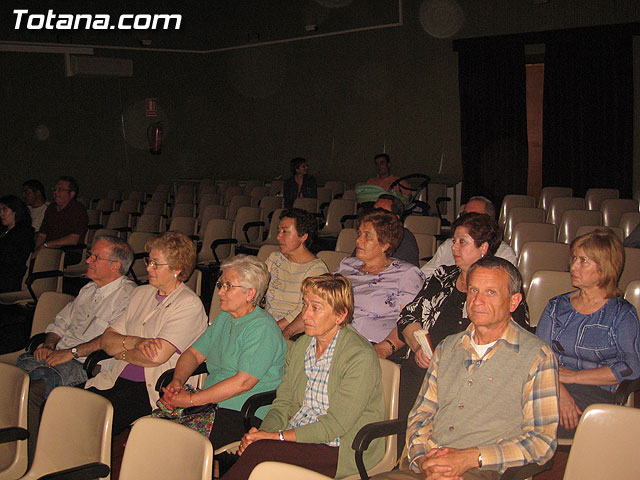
<point x="73" y="183"/>
<point x="305" y="223"/>
<point x="382" y="155"/>
<point x="35" y="186"/>
<point x="515" y="279"/>
<point x="482" y="228"/>
<point x="295" y="164"/>
<point x="387" y="226"/>
<point x="23" y="215"/>
<point x="397" y="207"/>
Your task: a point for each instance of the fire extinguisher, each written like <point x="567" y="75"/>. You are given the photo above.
<point x="154" y="134"/>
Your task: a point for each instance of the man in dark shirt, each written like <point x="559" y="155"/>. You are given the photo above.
<point x="65" y="220"/>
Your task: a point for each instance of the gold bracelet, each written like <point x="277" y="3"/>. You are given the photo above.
<point x="191" y="399"/>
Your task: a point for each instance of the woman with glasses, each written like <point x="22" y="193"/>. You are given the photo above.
<point x="162" y="320"/>
<point x="243" y="348"/>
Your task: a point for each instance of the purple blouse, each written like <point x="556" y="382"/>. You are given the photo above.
<point x="380" y="297"/>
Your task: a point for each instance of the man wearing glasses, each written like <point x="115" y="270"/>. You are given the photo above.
<point x="65" y="220"/>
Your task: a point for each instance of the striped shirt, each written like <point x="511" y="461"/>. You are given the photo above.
<point x="316" y="396"/>
<point x="539" y="407"/>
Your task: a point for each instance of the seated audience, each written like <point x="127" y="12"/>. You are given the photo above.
<point x="77" y="329"/>
<point x="330" y="389"/>
<point x="383" y="178"/>
<point x="440" y="308"/>
<point x="16" y="242"/>
<point x="382" y="285"/>
<point x="289" y="267"/>
<point x="489" y="400"/>
<point x="593" y="331"/>
<point x="300" y="184"/>
<point x="35" y="197"/>
<point x="243" y="348"/>
<point x="65" y="221"/>
<point x="162" y="320"/>
<point x="408" y="248"/>
<point x="444" y="256"/>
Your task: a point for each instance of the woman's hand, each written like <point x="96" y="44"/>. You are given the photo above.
<point x="173" y="398"/>
<point x="383" y="349"/>
<point x="421" y="358"/>
<point x="566" y="375"/>
<point x="569" y="411"/>
<point x="149" y="347"/>
<point x="254" y="435"/>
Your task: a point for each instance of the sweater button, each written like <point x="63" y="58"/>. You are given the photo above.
<point x="451" y="428"/>
<point x="461" y="405"/>
<point x="470" y="382"/>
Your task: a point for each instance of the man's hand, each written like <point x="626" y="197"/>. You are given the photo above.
<point x="42" y="352"/>
<point x="383" y="349"/>
<point x="421" y="358"/>
<point x="59" y="356"/>
<point x="448" y="463"/>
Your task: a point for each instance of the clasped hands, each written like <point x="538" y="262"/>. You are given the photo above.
<point x="448" y="463"/>
<point x="254" y="435"/>
<point x="51" y="356"/>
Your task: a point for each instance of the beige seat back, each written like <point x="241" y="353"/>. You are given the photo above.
<point x="159" y="449"/>
<point x="276" y="187"/>
<point x="632" y="294"/>
<point x="544" y="285"/>
<point x="561" y="204"/>
<point x="338" y="208"/>
<point x="47" y="259"/>
<point x="594" y="197"/>
<point x="137" y="196"/>
<point x="14" y="385"/>
<point x="272" y="233"/>
<point x="211" y="212"/>
<point x="542" y="256"/>
<point x="422" y="224"/>
<point x="347" y="240"/>
<point x="336" y="186"/>
<point x="186" y="225"/>
<point x="115" y="195"/>
<point x="183" y="210"/>
<point x="150" y="223"/>
<point x="531" y="232"/>
<point x="518" y="215"/>
<point x="188" y="198"/>
<point x="119" y="220"/>
<point x="332" y="259"/>
<point x="230" y="192"/>
<point x="160" y="196"/>
<point x="325" y="195"/>
<point x="269" y="205"/>
<point x="612" y="209"/>
<point x="250" y="185"/>
<point x="574" y="219"/>
<point x="137" y="241"/>
<point x="426" y="246"/>
<point x="95" y="216"/>
<point x="605" y="445"/>
<point x="266" y="250"/>
<point x="105" y="205"/>
<point x="510" y="201"/>
<point x="258" y="193"/>
<point x="549" y="193"/>
<point x="75" y="430"/>
<point x="629" y="221"/>
<point x="194" y="282"/>
<point x="349" y="195"/>
<point x="216" y="228"/>
<point x="236" y="202"/>
<point x="308" y="204"/>
<point x="631" y="270"/>
<point x="155" y="208"/>
<point x="246" y="215"/>
<point x="214" y="309"/>
<point x="584" y="229"/>
<point x="130" y="206"/>
<point x="284" y="471"/>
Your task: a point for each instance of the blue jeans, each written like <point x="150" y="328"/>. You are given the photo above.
<point x="67" y="374"/>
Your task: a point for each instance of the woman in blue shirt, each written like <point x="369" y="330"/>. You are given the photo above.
<point x="593" y="331"/>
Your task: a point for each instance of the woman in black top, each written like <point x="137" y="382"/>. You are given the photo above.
<point x="16" y="242"/>
<point x="300" y="185"/>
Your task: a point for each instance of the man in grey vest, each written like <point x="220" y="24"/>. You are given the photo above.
<point x="489" y="400"/>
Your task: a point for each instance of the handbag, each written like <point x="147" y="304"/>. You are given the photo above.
<point x="199" y="418"/>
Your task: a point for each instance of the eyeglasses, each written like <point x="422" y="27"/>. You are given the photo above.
<point x="153" y="263"/>
<point x="57" y="189"/>
<point x="94" y="258"/>
<point x="226" y="286"/>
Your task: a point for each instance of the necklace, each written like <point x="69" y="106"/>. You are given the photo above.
<point x="369" y="271"/>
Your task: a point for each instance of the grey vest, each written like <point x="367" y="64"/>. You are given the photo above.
<point x="482" y="405"/>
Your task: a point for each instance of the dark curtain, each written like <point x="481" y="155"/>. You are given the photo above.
<point x="493" y="118"/>
<point x="588" y="112"/>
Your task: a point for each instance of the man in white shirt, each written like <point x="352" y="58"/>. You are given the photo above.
<point x="443" y="255"/>
<point x="34" y="196"/>
<point x="76" y="330"/>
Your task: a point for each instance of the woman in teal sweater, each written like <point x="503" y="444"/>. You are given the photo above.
<point x="331" y="388"/>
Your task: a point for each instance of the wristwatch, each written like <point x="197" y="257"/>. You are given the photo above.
<point x="74" y="352"/>
<point x="45" y="245"/>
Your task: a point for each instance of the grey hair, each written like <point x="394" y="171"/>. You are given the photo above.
<point x="490" y="261"/>
<point x="253" y="273"/>
<point x="488" y="205"/>
<point x="120" y="251"/>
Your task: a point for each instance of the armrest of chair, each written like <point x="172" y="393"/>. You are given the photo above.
<point x="344" y="219"/>
<point x="35" y="341"/>
<point x="123" y="229"/>
<point x="370" y="432"/>
<point x="95" y="226"/>
<point x="253" y="403"/>
<point x="221" y="241"/>
<point x="135" y="214"/>
<point x="323" y="205"/>
<point x="248" y="225"/>
<point x="13" y="434"/>
<point x="83" y="472"/>
<point x="38" y="275"/>
<point x="92" y="360"/>
<point x="626" y="388"/>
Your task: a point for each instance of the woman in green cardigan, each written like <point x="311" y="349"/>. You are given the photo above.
<point x="331" y="388"/>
